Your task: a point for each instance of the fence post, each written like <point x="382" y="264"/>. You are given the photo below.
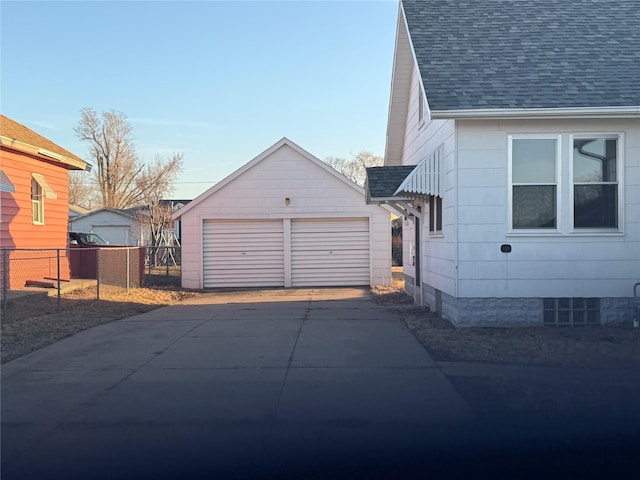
<point x="128" y="267"/>
<point x="5" y="280"/>
<point x="98" y="274"/>
<point x="58" y="259"/>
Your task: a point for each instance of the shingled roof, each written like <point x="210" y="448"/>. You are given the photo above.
<point x="382" y="182"/>
<point x="524" y="54"/>
<point x="17" y="135"/>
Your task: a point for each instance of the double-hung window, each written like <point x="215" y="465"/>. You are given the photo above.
<point x="534" y="183"/>
<point x="435" y="215"/>
<point x="595" y="182"/>
<point x="37" y="202"/>
<point x="40" y="189"/>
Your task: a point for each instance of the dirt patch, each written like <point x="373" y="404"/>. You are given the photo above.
<point x="35" y="321"/>
<point x="599" y="346"/>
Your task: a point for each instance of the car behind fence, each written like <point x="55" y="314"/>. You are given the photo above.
<point x="52" y="272"/>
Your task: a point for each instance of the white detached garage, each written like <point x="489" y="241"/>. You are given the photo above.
<point x="285" y="219"/>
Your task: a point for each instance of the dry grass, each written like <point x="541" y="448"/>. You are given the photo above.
<point x="35" y="321"/>
<point x="602" y="346"/>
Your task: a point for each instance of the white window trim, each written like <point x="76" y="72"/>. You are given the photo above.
<point x="435" y="233"/>
<point x="37" y="204"/>
<point x="558" y="184"/>
<point x="620" y="182"/>
<point x="564" y="225"/>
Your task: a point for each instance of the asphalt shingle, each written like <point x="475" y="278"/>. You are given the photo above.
<point x="16" y="131"/>
<point x="382" y="182"/>
<point x="487" y="54"/>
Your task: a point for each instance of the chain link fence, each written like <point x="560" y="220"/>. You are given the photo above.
<point x="163" y="266"/>
<point x="39" y="277"/>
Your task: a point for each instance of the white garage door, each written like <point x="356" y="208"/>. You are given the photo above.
<point x="330" y="252"/>
<point x="240" y="253"/>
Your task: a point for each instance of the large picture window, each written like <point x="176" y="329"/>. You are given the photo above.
<point x="595" y="183"/>
<point x="534" y="165"/>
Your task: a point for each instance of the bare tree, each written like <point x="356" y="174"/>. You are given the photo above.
<point x="354" y="168"/>
<point x="157" y="217"/>
<point x="122" y="178"/>
<point x="82" y="191"/>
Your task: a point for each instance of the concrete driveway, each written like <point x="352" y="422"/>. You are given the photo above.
<point x="305" y="383"/>
<point x="317" y="383"/>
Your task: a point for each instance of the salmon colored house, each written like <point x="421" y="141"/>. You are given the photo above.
<point x="34" y="203"/>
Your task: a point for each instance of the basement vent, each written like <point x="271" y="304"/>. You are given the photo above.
<point x="571" y="312"/>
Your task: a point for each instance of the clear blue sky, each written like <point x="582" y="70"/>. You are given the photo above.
<point x="217" y="81"/>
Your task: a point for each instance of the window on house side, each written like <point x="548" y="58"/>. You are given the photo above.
<point x="534" y="183"/>
<point x="37" y="202"/>
<point x="420" y="106"/>
<point x="435" y="214"/>
<point x="595" y="183"/>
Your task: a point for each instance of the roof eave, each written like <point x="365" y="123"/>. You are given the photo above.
<point x="399" y="95"/>
<point x="379" y="200"/>
<point x="72" y="163"/>
<point x="533" y="113"/>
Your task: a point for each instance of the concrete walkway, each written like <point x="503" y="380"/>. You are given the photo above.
<point x="317" y="383"/>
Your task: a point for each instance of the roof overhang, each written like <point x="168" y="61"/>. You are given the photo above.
<point x="381" y="188"/>
<point x="533" y="113"/>
<point x="68" y="162"/>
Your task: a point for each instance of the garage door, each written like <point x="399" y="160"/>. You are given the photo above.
<point x="243" y="253"/>
<point x="330" y="252"/>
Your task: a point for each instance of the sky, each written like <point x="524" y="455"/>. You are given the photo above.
<point x="219" y="82"/>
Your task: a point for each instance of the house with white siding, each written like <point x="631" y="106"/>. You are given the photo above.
<point x="521" y="126"/>
<point x="284" y="219"/>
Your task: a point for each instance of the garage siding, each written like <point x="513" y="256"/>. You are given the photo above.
<point x="243" y="253"/>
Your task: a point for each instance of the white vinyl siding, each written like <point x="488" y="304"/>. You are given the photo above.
<point x="330" y="252"/>
<point x="567" y="262"/>
<point x="247" y="253"/>
<point x="435" y="141"/>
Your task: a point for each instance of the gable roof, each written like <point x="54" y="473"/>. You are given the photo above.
<point x="129" y="213"/>
<point x="255" y="161"/>
<point x="526" y="54"/>
<point x="16" y="135"/>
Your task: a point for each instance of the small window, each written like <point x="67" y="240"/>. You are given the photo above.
<point x="420" y="106"/>
<point x="435" y="215"/>
<point x="595" y="183"/>
<point x="534" y="183"/>
<point x="37" y="202"/>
